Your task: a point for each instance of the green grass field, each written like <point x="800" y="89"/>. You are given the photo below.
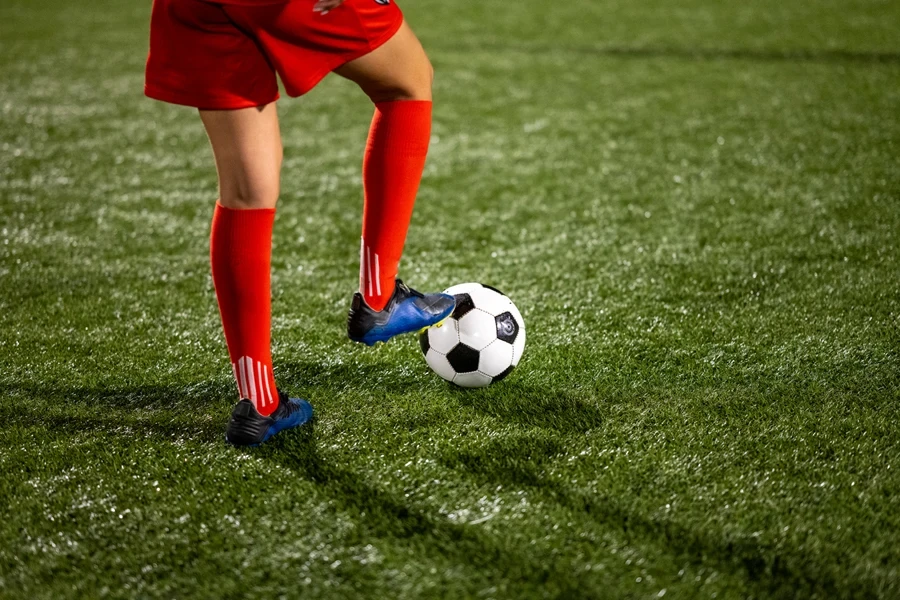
<point x="696" y="205"/>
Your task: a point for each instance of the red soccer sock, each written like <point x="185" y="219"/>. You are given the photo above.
<point x="392" y="170"/>
<point x="240" y="252"/>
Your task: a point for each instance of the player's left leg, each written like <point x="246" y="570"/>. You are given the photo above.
<point x="247" y="148"/>
<point x="397" y="77"/>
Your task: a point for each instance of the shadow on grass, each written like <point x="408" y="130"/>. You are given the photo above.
<point x="382" y="514"/>
<point x="195" y="396"/>
<point x="540" y="407"/>
<point x="521" y="462"/>
<point x="335" y="377"/>
<point x="134" y="428"/>
<point x="167" y="411"/>
<point x="513" y="402"/>
<point x="516" y="461"/>
<point x="176" y="408"/>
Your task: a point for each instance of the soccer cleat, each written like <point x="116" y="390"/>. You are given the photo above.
<point x="407" y="311"/>
<point x="249" y="428"/>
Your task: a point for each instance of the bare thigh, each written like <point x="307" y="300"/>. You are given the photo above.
<point x="397" y="70"/>
<point x="248" y="152"/>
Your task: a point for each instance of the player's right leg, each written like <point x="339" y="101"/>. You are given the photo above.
<point x="191" y="43"/>
<point x="247" y="147"/>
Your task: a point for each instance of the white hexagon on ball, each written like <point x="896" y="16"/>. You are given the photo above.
<point x="496" y="358"/>
<point x="491" y="302"/>
<point x="472" y="380"/>
<point x="477" y="329"/>
<point x="444" y="338"/>
<point x="440" y="365"/>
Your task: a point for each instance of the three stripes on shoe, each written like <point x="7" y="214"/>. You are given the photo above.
<point x="253" y="382"/>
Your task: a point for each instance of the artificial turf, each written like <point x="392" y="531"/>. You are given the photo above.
<point x="695" y="204"/>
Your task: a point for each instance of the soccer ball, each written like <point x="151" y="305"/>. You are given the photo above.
<point x="481" y="342"/>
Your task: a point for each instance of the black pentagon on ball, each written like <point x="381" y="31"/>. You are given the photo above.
<point x="507" y="327"/>
<point x="503" y="375"/>
<point x="424" y="344"/>
<point x="464" y="304"/>
<point x="463" y="359"/>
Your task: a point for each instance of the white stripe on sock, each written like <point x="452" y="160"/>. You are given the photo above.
<point x="377" y="275"/>
<point x="262" y="397"/>
<point x="266" y="379"/>
<point x="369" y="266"/>
<point x="248" y="364"/>
<point x="362" y="265"/>
<point x="237" y="380"/>
<point x="243" y="381"/>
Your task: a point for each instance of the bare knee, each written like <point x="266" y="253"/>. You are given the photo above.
<point x="244" y="198"/>
<point x="247" y="147"/>
<point x="414" y="84"/>
<point x="398" y="70"/>
<point x="251" y="188"/>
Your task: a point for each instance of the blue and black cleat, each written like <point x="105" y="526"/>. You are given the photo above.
<point x="249" y="428"/>
<point x="407" y="311"/>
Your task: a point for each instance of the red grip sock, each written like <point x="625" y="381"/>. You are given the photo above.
<point x="392" y="170"/>
<point x="240" y="253"/>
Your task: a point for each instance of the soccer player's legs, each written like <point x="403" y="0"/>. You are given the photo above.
<point x="247" y="148"/>
<point x="397" y="77"/>
<point x="369" y="43"/>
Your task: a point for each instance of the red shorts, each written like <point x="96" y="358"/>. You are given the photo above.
<point x="217" y="56"/>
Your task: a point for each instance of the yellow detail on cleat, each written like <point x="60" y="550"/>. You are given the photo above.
<point x="438" y="325"/>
